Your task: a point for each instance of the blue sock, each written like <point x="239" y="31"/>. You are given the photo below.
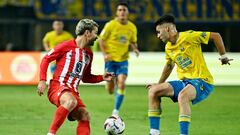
<point x="184" y="122"/>
<point x="154" y="119"/>
<point x="119" y="99"/>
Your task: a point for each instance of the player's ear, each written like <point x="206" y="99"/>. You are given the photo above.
<point x="168" y="28"/>
<point x="87" y="33"/>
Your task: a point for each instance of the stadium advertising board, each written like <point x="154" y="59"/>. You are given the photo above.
<point x="19" y="67"/>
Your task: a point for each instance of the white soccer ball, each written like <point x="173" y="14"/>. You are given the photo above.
<point x="114" y="125"/>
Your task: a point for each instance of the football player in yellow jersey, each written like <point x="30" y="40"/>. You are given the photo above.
<point x="54" y="37"/>
<point x="114" y="42"/>
<point x="183" y="49"/>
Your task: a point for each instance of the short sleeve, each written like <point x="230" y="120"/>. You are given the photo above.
<point x="134" y="36"/>
<point x="203" y="37"/>
<point x="106" y="31"/>
<point x="46" y="38"/>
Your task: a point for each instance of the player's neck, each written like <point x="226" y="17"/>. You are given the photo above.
<point x="122" y="21"/>
<point x="174" y="38"/>
<point x="81" y="43"/>
<point x="58" y="32"/>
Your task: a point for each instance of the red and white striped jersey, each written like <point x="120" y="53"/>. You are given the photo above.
<point x="73" y="64"/>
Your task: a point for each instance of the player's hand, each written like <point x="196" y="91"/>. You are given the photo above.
<point x="148" y="86"/>
<point x="41" y="87"/>
<point x="136" y="52"/>
<point x="108" y="76"/>
<point x="107" y="57"/>
<point x="225" y="60"/>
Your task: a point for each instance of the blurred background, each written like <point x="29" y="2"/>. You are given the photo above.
<point x="23" y="23"/>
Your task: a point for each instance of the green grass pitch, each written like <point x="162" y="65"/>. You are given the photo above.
<point x="23" y="112"/>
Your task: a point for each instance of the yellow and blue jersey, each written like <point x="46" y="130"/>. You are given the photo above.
<point x="187" y="55"/>
<point x="117" y="39"/>
<point x="52" y="39"/>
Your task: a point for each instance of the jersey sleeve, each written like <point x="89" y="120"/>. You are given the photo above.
<point x="202" y="36"/>
<point x="106" y="31"/>
<point x="168" y="59"/>
<point x="88" y="77"/>
<point x="46" y="38"/>
<point x="134" y="36"/>
<point x="52" y="55"/>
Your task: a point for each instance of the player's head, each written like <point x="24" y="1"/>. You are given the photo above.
<point x="165" y="27"/>
<point x="122" y="11"/>
<point x="58" y="26"/>
<point x="87" y="28"/>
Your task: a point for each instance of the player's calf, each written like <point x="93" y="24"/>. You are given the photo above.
<point x="79" y="114"/>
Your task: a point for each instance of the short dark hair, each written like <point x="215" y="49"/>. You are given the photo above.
<point x="167" y="18"/>
<point x="122" y="4"/>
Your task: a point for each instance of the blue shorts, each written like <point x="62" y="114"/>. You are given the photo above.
<point x="117" y="67"/>
<point x="203" y="89"/>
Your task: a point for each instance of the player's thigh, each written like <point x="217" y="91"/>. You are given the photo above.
<point x="122" y="68"/>
<point x="110" y="67"/>
<point x="187" y="93"/>
<point x="161" y="90"/>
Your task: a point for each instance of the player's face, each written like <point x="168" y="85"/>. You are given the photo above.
<point x="58" y="26"/>
<point x="93" y="36"/>
<point x="122" y="12"/>
<point x="162" y="32"/>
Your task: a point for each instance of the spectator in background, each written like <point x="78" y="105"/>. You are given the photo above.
<point x="54" y="37"/>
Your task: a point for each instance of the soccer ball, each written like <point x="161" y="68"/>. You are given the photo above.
<point x="114" y="125"/>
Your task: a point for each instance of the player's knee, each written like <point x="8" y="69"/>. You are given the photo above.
<point x="152" y="93"/>
<point x="121" y="86"/>
<point x="70" y="104"/>
<point x="183" y="97"/>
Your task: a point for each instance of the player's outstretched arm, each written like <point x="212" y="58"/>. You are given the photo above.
<point x="108" y="76"/>
<point x="167" y="70"/>
<point x="217" y="39"/>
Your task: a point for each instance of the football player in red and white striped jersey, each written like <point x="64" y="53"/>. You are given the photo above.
<point x="73" y="64"/>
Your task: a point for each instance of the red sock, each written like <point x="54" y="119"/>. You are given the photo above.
<point x="83" y="128"/>
<point x="59" y="117"/>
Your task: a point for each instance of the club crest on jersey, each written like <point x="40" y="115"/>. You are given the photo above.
<point x="181" y="48"/>
<point x="78" y="67"/>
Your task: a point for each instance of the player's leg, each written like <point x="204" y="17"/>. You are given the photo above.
<point x="155" y="92"/>
<point x="121" y="72"/>
<point x="185" y="96"/>
<point x="120" y="93"/>
<point x="109" y="67"/>
<point x="82" y="116"/>
<point x="67" y="104"/>
<point x="196" y="90"/>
